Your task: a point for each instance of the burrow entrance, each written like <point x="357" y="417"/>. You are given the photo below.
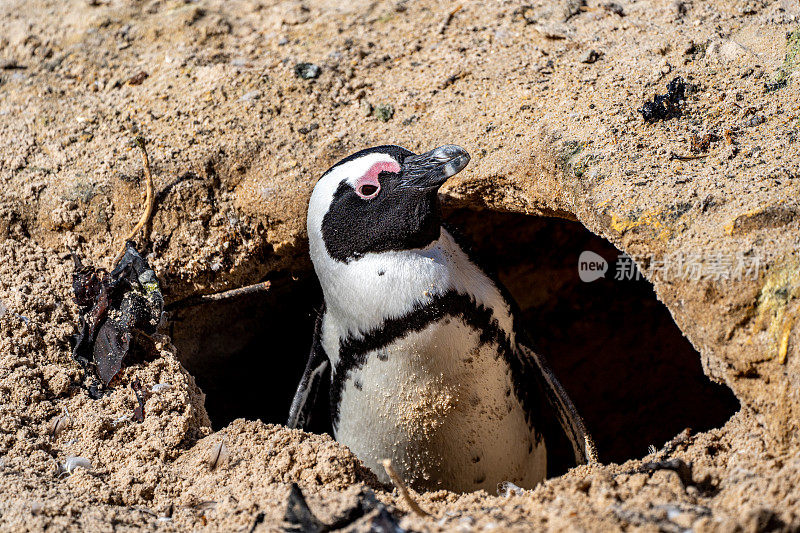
<point x="630" y="371"/>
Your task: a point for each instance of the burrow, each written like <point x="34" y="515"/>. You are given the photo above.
<point x="632" y="374"/>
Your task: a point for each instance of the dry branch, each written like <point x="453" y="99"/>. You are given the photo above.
<point x="401" y="487"/>
<point x="261" y="286"/>
<point x="149" y="201"/>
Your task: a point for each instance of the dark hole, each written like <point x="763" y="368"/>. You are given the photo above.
<point x="634" y="377"/>
<point x="248" y="354"/>
<point x="632" y="374"/>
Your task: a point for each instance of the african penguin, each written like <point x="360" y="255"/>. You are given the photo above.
<point x="427" y="365"/>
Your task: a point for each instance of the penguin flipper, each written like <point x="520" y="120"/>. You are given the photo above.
<point x="307" y="390"/>
<point x="567" y="415"/>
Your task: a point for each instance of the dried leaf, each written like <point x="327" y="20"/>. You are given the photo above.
<point x="115" y="308"/>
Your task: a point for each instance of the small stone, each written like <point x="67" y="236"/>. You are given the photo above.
<point x="308" y="129"/>
<point x="73" y="463"/>
<point x="366" y="108"/>
<point x="589" y="56"/>
<point x="384" y="112"/>
<point x="679" y="9"/>
<point x="755" y="120"/>
<point x="554" y="31"/>
<point x="250" y="96"/>
<point x="138" y="78"/>
<point x="572" y="8"/>
<point x="307" y="71"/>
<point x="507" y="489"/>
<point x="613" y="7"/>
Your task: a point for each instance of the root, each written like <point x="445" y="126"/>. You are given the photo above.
<point x="402" y="489"/>
<point x="149" y="201"/>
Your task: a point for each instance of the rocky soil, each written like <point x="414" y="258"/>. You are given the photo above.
<point x="546" y="98"/>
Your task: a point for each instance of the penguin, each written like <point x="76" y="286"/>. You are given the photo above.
<point x="425" y="359"/>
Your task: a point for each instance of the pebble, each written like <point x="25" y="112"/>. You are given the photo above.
<point x="755" y="120"/>
<point x="366" y="108"/>
<point x="73" y="463"/>
<point x="679" y="9"/>
<point x="572" y="8"/>
<point x="384" y="112"/>
<point x="308" y="129"/>
<point x="250" y="96"/>
<point x="506" y="489"/>
<point x="614" y="7"/>
<point x="307" y="71"/>
<point x="158" y="387"/>
<point x="589" y="56"/>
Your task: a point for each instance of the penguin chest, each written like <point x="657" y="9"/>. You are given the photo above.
<point x="440" y="404"/>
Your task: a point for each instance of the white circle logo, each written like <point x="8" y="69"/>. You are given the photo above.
<point x="591" y="266"/>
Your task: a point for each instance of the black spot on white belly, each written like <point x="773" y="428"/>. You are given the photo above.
<point x="381" y="272"/>
<point x="357" y="384"/>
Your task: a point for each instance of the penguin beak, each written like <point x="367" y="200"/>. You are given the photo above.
<point x="431" y="169"/>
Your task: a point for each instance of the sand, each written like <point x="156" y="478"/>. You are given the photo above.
<point x="237" y="141"/>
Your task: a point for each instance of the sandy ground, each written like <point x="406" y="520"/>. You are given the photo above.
<point x="237" y="141"/>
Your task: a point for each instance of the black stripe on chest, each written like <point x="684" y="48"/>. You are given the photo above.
<point x="353" y="351"/>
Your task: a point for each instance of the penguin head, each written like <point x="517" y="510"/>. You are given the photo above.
<point x="380" y="199"/>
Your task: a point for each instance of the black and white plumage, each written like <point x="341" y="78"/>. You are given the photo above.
<point x="427" y="365"/>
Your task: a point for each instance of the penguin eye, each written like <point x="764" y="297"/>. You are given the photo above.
<point x="367" y="190"/>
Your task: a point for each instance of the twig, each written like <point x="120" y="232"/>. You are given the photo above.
<point x="448" y="19"/>
<point x="402" y="489"/>
<point x="687" y="157"/>
<point x="191" y="301"/>
<point x="149" y="201"/>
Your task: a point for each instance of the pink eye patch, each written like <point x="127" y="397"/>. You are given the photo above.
<point x="368" y="186"/>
